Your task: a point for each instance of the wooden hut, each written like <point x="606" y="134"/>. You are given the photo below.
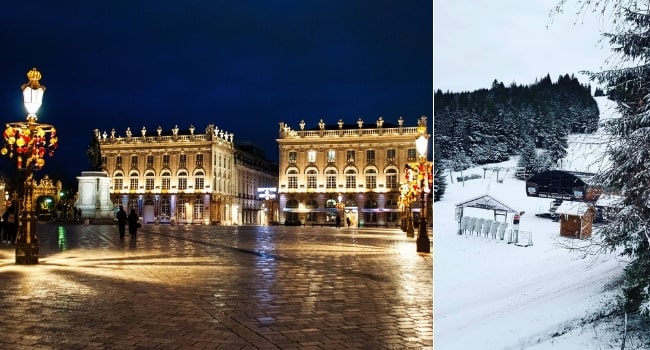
<point x="564" y="185"/>
<point x="576" y="219"/>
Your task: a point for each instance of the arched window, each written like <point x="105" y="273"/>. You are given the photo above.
<point x="133" y="181"/>
<point x="118" y="181"/>
<point x="311" y="204"/>
<point x="199" y="180"/>
<point x="292" y="203"/>
<point x="331" y="203"/>
<point x="350" y="178"/>
<point x="182" y="180"/>
<point x="311" y="178"/>
<point x="391" y="179"/>
<point x="371" y="178"/>
<point x="330" y="178"/>
<point x="166" y="179"/>
<point x="149" y="180"/>
<point x="292" y="178"/>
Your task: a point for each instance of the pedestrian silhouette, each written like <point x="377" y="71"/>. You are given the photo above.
<point x="121" y="221"/>
<point x="133" y="223"/>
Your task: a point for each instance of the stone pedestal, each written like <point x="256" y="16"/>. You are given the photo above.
<point x="94" y="195"/>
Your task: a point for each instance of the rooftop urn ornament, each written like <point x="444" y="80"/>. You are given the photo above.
<point x="302" y="124"/>
<point x="400" y="121"/>
<point x="360" y="123"/>
<point x="175" y="130"/>
<point x="380" y="122"/>
<point x="128" y="131"/>
<point x="143" y="131"/>
<point x="104" y="135"/>
<point x="321" y="124"/>
<point x="191" y="129"/>
<point x="159" y="130"/>
<point x="113" y="133"/>
<point x="340" y="123"/>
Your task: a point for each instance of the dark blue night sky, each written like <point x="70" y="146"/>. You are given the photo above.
<point x="241" y="65"/>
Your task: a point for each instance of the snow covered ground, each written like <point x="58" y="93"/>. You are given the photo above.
<point x="489" y="294"/>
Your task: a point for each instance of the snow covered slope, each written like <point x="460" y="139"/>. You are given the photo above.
<point x="489" y="294"/>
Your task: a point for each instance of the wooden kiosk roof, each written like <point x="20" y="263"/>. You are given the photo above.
<point x="486" y="202"/>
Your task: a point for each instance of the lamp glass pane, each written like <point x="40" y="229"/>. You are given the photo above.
<point x="33" y="98"/>
<point x="421" y="145"/>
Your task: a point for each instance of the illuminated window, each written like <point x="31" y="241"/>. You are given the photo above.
<point x="311" y="156"/>
<point x="199" y="180"/>
<point x="134" y="162"/>
<point x="165" y="160"/>
<point x="199" y="160"/>
<point x="182" y="180"/>
<point x="149" y="181"/>
<point x="181" y="209"/>
<point x="165" y="211"/>
<point x="391" y="178"/>
<point x="182" y="160"/>
<point x="330" y="178"/>
<point x="371" y="178"/>
<point x="198" y="209"/>
<point x="311" y="178"/>
<point x="119" y="182"/>
<point x="149" y="161"/>
<point x="293" y="157"/>
<point x="292" y="178"/>
<point x="331" y="156"/>
<point x="350" y="178"/>
<point x="166" y="180"/>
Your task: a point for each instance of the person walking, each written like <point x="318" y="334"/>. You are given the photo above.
<point x="338" y="221"/>
<point x="133" y="223"/>
<point x="10" y="224"/>
<point x="121" y="221"/>
<point x="347" y="220"/>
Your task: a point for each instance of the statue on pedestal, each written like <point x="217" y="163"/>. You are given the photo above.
<point x="94" y="153"/>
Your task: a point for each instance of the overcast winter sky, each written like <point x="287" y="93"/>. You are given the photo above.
<point x="477" y="41"/>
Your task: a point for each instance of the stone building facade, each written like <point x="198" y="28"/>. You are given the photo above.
<point x="252" y="172"/>
<point x="177" y="176"/>
<point x="350" y="170"/>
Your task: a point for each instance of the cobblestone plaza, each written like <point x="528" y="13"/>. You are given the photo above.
<point x="218" y="287"/>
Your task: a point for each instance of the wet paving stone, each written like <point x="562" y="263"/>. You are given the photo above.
<point x="218" y="287"/>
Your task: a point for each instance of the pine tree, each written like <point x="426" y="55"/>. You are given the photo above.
<point x="528" y="159"/>
<point x="439" y="181"/>
<point x="630" y="156"/>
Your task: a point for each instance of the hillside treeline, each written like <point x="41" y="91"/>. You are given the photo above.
<point x="490" y="125"/>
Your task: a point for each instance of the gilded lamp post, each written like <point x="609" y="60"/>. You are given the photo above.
<point x="423" y="184"/>
<point x="28" y="142"/>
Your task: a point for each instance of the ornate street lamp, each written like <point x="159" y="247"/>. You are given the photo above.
<point x="28" y="142"/>
<point x="425" y="178"/>
<point x="407" y="196"/>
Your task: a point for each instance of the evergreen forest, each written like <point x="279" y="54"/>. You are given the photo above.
<point x="490" y="125"/>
